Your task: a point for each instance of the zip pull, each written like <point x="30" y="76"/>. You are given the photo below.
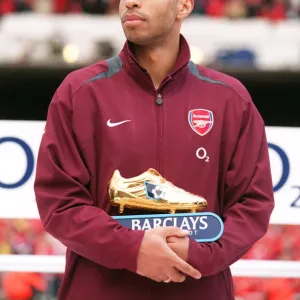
<point x="159" y="99"/>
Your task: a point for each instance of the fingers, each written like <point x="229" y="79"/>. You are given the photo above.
<point x="166" y="279"/>
<point x="182" y="266"/>
<point x="172" y="239"/>
<point x="158" y="279"/>
<point x="182" y="233"/>
<point x="159" y="262"/>
<point x="172" y="231"/>
<point x="174" y="275"/>
<point x="186" y="269"/>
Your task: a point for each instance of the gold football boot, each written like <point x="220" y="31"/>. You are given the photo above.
<point x="150" y="191"/>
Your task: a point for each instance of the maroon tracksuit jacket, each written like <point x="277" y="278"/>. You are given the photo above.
<point x="225" y="160"/>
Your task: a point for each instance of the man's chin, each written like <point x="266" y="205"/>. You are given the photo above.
<point x="138" y="40"/>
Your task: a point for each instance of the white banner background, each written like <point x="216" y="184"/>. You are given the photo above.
<point x="276" y="46"/>
<point x="19" y="202"/>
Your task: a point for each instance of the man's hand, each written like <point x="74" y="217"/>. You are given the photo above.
<point x="180" y="245"/>
<point x="158" y="262"/>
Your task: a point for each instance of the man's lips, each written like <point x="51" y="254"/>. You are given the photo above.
<point x="133" y="17"/>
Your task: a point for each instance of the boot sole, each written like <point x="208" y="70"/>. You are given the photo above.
<point x="158" y="205"/>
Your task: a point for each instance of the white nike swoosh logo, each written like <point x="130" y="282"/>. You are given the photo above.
<point x="109" y="124"/>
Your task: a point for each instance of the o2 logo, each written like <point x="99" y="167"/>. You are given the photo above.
<point x="285" y="172"/>
<point x="29" y="163"/>
<point x="201" y="153"/>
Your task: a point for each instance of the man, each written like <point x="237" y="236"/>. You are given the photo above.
<point x="134" y="112"/>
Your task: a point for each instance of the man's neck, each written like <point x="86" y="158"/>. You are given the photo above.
<point x="159" y="60"/>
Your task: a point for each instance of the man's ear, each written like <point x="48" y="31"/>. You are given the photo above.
<point x="185" y="7"/>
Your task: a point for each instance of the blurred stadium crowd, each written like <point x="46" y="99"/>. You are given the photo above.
<point x="271" y="9"/>
<point x="27" y="237"/>
<point x="23" y="237"/>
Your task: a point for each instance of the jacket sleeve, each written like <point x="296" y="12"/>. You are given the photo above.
<point x="248" y="199"/>
<point x="65" y="205"/>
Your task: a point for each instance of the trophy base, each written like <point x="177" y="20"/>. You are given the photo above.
<point x="202" y="227"/>
<point x="157" y="205"/>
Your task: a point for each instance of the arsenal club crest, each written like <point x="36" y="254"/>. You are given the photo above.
<point x="201" y="120"/>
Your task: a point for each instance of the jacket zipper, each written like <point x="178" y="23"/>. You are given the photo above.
<point x="159" y="102"/>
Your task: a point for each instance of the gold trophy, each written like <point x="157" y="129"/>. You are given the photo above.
<point x="150" y="191"/>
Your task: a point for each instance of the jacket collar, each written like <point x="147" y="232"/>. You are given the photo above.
<point x="140" y="74"/>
